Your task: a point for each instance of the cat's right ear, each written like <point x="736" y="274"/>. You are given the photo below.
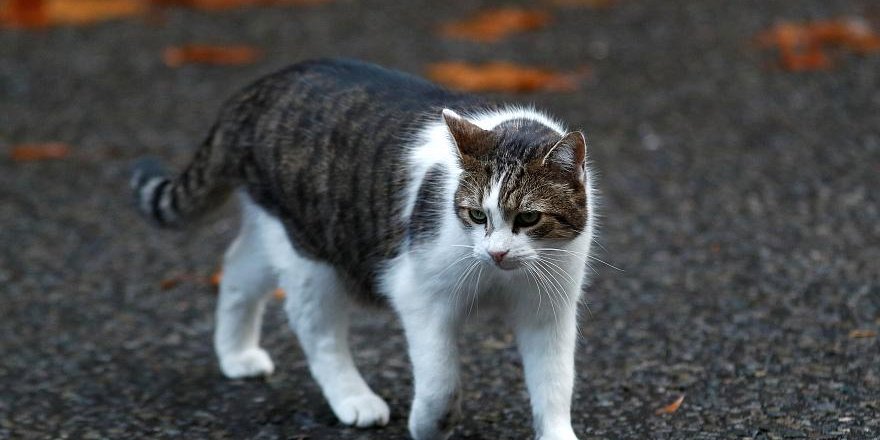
<point x="470" y="139"/>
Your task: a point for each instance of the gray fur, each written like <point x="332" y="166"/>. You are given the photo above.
<point x="321" y="146"/>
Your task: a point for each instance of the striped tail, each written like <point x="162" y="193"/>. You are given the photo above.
<point x="173" y="201"/>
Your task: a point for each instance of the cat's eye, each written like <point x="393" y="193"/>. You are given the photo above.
<point x="527" y="218"/>
<point x="477" y="216"/>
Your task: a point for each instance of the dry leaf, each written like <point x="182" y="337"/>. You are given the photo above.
<point x="502" y="76"/>
<point x="804" y="47"/>
<point x="176" y="56"/>
<point x="278" y="293"/>
<point x="672" y="407"/>
<point x="35" y="152"/>
<point x="495" y="24"/>
<point x="215" y="279"/>
<point x="862" y="333"/>
<point x="219" y="5"/>
<point x="42" y="13"/>
<point x="170" y="283"/>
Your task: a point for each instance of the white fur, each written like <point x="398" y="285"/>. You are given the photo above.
<point x="434" y="288"/>
<point x="429" y="293"/>
<point x="261" y="259"/>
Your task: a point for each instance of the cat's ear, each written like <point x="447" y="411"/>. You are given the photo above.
<point x="470" y="139"/>
<point x="569" y="154"/>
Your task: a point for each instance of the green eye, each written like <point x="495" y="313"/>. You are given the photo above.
<point x="479" y="217"/>
<point x="527" y="218"/>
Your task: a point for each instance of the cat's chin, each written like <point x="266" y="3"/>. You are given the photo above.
<point x="509" y="266"/>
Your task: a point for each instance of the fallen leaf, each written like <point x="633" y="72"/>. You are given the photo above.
<point x="170" y="283"/>
<point x="42" y="13"/>
<point x="219" y="5"/>
<point x="175" y="280"/>
<point x="862" y="333"/>
<point x="671" y="408"/>
<point x="500" y="76"/>
<point x="215" y="279"/>
<point x="495" y="24"/>
<point x="176" y="56"/>
<point x="278" y="293"/>
<point x="35" y="152"/>
<point x="805" y="46"/>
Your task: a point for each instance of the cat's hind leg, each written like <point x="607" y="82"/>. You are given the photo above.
<point x="318" y="308"/>
<point x="248" y="278"/>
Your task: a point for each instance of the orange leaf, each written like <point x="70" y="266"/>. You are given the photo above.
<point x="215" y="279"/>
<point x="41" y="13"/>
<point x="495" y="24"/>
<point x="803" y="46"/>
<point x="176" y="56"/>
<point x="34" y="152"/>
<point x="672" y="407"/>
<point x="858" y="334"/>
<point x="218" y="5"/>
<point x="278" y="293"/>
<point x="170" y="283"/>
<point x="502" y="77"/>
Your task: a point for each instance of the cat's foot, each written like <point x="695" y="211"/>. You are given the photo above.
<point x="253" y="362"/>
<point x="425" y="424"/>
<point x="363" y="410"/>
<point x="563" y="433"/>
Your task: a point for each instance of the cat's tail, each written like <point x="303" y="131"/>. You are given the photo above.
<point x="172" y="201"/>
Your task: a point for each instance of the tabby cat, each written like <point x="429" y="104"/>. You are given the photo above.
<point x="360" y="184"/>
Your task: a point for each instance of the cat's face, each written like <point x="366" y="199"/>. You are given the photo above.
<point x="522" y="191"/>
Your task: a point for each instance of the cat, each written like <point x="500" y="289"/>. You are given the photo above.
<point x="360" y="184"/>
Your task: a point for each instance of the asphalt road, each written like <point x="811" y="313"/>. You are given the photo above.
<point x="740" y="200"/>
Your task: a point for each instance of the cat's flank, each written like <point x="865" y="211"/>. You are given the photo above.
<point x="358" y="182"/>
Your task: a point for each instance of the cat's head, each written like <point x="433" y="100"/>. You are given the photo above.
<point x="523" y="188"/>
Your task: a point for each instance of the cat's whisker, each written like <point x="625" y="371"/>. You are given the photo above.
<point x="583" y="255"/>
<point x="459" y="284"/>
<point x="559" y="287"/>
<point x="476" y="290"/>
<point x="600" y="244"/>
<point x="552" y="293"/>
<point x="531" y="275"/>
<point x="451" y="265"/>
<point x="574" y="283"/>
<point x="560" y="270"/>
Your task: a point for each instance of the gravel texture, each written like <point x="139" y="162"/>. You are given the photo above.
<point x="741" y="202"/>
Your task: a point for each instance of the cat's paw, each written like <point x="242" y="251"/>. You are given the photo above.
<point x="565" y="433"/>
<point x="426" y="425"/>
<point x="254" y="362"/>
<point x="363" y="410"/>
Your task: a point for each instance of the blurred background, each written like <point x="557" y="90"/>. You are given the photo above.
<point x="738" y="152"/>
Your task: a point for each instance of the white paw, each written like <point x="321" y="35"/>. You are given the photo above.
<point x="253" y="362"/>
<point x="363" y="410"/>
<point x="565" y="433"/>
<point x="428" y="424"/>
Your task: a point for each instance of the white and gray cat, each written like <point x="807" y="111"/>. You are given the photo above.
<point x="361" y="184"/>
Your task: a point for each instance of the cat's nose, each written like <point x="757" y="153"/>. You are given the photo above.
<point x="498" y="255"/>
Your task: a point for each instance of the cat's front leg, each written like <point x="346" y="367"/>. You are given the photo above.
<point x="431" y="332"/>
<point x="547" y="344"/>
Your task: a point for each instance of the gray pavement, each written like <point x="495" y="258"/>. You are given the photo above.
<point x="741" y="202"/>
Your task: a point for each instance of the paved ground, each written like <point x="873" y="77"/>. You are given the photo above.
<point x="741" y="201"/>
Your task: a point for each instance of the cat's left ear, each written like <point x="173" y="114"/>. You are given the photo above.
<point x="569" y="154"/>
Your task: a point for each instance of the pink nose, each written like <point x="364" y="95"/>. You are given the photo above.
<point x="498" y="256"/>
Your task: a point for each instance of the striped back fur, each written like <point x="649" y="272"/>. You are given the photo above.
<point x="323" y="145"/>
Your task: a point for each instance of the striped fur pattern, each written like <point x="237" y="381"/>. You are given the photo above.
<point x="362" y="184"/>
